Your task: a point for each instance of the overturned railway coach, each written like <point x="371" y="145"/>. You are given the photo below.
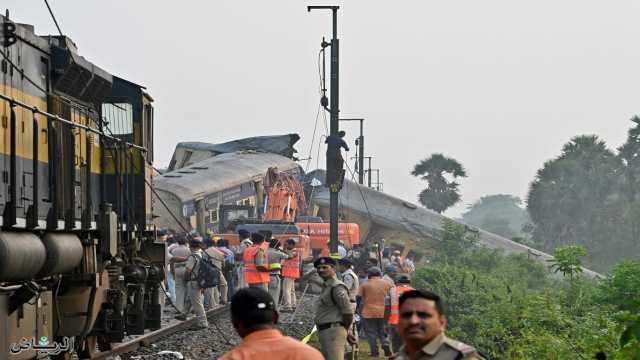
<point x="78" y="259"/>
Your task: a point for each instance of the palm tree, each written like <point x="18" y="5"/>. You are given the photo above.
<point x="440" y="193"/>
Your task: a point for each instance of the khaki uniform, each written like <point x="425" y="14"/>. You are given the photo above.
<point x="332" y="303"/>
<point x="275" y="258"/>
<point x="179" y="271"/>
<point x="443" y="348"/>
<point x="193" y="290"/>
<point x="217" y="294"/>
<point x="350" y="279"/>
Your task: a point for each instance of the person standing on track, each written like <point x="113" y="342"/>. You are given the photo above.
<point x="275" y="258"/>
<point x="350" y="279"/>
<point x="228" y="266"/>
<point x="194" y="293"/>
<point x="256" y="264"/>
<point x="372" y="309"/>
<point x="216" y="295"/>
<point x="421" y="325"/>
<point x="244" y="242"/>
<point x="392" y="310"/>
<point x="179" y="255"/>
<point x="334" y="313"/>
<point x="255" y="319"/>
<point x="290" y="273"/>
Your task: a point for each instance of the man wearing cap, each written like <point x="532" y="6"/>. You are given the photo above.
<point x="194" y="293"/>
<point x="255" y="319"/>
<point x="372" y="309"/>
<point x="256" y="264"/>
<point x="334" y="313"/>
<point x="392" y="309"/>
<point x="244" y="238"/>
<point x="275" y="258"/>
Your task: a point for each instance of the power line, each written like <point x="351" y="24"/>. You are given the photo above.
<point x="53" y="17"/>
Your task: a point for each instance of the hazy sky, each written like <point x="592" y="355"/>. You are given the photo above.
<point x="499" y="85"/>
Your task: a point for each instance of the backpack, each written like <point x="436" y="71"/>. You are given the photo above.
<point x="208" y="275"/>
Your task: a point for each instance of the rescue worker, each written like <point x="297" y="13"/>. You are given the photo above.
<point x="194" y="293"/>
<point x="350" y="279"/>
<point x="216" y="295"/>
<point x="228" y="266"/>
<point x="390" y="273"/>
<point x="255" y="319"/>
<point x="421" y="326"/>
<point x="244" y="242"/>
<point x="392" y="310"/>
<point x="334" y="313"/>
<point x="290" y="273"/>
<point x="275" y="258"/>
<point x="179" y="255"/>
<point x="256" y="271"/>
<point x="372" y="310"/>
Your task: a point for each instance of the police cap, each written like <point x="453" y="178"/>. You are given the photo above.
<point x="345" y="262"/>
<point x="325" y="260"/>
<point x="403" y="279"/>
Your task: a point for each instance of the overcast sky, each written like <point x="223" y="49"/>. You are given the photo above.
<point x="500" y="85"/>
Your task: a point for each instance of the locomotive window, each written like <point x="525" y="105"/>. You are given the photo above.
<point x="119" y="116"/>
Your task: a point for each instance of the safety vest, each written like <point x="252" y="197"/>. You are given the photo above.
<point x="251" y="273"/>
<point x="394" y="296"/>
<point x="291" y="267"/>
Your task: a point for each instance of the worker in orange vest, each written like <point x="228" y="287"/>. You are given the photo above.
<point x="392" y="310"/>
<point x="290" y="273"/>
<point x="256" y="264"/>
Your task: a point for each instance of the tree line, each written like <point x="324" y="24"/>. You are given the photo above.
<point x="588" y="195"/>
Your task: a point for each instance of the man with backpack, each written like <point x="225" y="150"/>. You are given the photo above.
<point x="194" y="289"/>
<point x="218" y="294"/>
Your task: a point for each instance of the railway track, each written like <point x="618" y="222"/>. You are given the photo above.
<point x="150" y="338"/>
<point x="179" y="337"/>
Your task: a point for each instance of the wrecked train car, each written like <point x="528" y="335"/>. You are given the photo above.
<point x="189" y="153"/>
<point x="193" y="197"/>
<point x="402" y="224"/>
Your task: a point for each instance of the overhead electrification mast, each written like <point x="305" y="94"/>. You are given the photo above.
<point x="335" y="169"/>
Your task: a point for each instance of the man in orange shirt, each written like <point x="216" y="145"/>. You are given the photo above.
<point x="254" y="316"/>
<point x="372" y="294"/>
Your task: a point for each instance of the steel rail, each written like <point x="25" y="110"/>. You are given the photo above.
<point x="34" y="109"/>
<point x="149" y="338"/>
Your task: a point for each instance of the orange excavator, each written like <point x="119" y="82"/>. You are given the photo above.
<point x="284" y="203"/>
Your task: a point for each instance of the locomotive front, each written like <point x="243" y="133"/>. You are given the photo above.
<point x="79" y="264"/>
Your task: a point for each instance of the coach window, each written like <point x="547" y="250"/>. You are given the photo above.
<point x="119" y="117"/>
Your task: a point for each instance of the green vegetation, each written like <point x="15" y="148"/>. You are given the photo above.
<point x="511" y="307"/>
<point x="440" y="193"/>
<point x="500" y="214"/>
<point x="590" y="195"/>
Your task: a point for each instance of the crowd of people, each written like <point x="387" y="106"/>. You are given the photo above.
<point x="360" y="296"/>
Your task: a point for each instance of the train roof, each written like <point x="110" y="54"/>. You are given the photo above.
<point x="219" y="173"/>
<point x="392" y="212"/>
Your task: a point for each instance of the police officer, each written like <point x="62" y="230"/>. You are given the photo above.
<point x="350" y="279"/>
<point x="421" y="326"/>
<point x="194" y="293"/>
<point x="334" y="313"/>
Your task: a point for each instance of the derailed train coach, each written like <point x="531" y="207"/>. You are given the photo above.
<point x="78" y="259"/>
<point x="210" y="194"/>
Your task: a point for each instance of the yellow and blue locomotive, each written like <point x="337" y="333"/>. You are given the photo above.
<point x="78" y="259"/>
